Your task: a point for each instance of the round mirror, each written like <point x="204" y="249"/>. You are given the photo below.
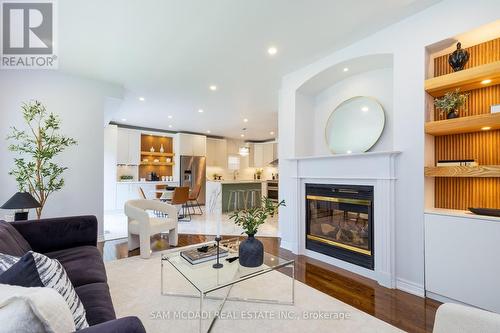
<point x="355" y="125"/>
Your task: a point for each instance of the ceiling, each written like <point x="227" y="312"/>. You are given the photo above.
<point x="171" y="51"/>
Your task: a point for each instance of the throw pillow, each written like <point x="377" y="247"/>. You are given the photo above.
<point x="6" y="261"/>
<point x="36" y="270"/>
<point x="11" y="241"/>
<point x="33" y="310"/>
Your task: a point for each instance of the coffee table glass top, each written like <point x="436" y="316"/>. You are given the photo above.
<point x="205" y="278"/>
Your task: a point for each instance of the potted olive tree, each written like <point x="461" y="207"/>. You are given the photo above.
<point x="251" y="251"/>
<point x="450" y="103"/>
<point x="37" y="146"/>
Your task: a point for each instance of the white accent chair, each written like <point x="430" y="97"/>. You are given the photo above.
<point x="141" y="225"/>
<point x="458" y="318"/>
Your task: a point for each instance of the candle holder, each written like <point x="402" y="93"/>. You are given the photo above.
<point x="218" y="265"/>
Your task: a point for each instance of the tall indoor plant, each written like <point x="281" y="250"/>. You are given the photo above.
<point x="37" y="146"/>
<point x="251" y="251"/>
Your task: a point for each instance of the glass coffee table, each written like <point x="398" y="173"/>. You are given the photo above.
<point x="206" y="280"/>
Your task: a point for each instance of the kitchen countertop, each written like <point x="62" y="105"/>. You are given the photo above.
<point x="146" y="182"/>
<point x="238" y="181"/>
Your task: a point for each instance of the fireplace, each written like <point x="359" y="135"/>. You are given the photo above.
<point x="339" y="222"/>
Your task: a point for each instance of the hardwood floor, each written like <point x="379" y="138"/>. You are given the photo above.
<point x="403" y="310"/>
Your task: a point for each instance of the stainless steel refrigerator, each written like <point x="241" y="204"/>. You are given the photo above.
<point x="193" y="173"/>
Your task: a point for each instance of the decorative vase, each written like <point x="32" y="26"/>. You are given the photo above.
<point x="251" y="252"/>
<point x="161" y="148"/>
<point x="452" y="114"/>
<point x="458" y="58"/>
<point x="152" y="150"/>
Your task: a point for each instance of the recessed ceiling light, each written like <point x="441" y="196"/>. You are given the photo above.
<point x="245" y="120"/>
<point x="213" y="87"/>
<point x="242" y="135"/>
<point x="364" y="109"/>
<point x="170" y="117"/>
<point x="208" y="131"/>
<point x="486" y="128"/>
<point x="486" y="81"/>
<point x="272" y="50"/>
<point x="346" y="69"/>
<point x="169" y="126"/>
<point x="124" y="119"/>
<point x="272" y="133"/>
<point x="200" y="110"/>
<point x="349" y="151"/>
<point x="142" y="99"/>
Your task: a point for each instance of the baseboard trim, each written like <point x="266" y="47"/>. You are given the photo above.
<point x="410" y="287"/>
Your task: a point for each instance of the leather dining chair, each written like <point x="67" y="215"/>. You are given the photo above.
<point x="193" y="198"/>
<point x="180" y="199"/>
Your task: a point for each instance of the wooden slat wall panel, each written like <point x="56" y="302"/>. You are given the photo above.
<point x="462" y="193"/>
<point x="479" y="55"/>
<point x="484" y="147"/>
<point x="479" y="102"/>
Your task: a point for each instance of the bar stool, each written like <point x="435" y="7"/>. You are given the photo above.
<point x="254" y="196"/>
<point x="235" y="197"/>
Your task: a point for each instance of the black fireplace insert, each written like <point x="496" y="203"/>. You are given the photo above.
<point x="339" y="222"/>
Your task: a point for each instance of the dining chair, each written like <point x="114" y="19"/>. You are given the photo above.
<point x="141" y="194"/>
<point x="193" y="198"/>
<point x="180" y="199"/>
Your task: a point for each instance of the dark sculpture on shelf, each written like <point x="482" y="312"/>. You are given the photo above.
<point x="458" y="58"/>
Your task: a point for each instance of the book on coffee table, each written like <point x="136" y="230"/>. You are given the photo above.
<point x="195" y="257"/>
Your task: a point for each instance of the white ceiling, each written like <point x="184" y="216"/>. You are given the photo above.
<point x="171" y="51"/>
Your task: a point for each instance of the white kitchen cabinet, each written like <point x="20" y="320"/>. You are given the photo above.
<point x="122" y="146"/>
<point x="122" y="194"/>
<point x="128" y="147"/>
<point x="134" y="147"/>
<point x="216" y="152"/>
<point x="191" y="145"/>
<point x="263" y="154"/>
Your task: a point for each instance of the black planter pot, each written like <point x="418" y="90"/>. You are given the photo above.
<point x="251" y="252"/>
<point x="452" y="114"/>
<point x="458" y="58"/>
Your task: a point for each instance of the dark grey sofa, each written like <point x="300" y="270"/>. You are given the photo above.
<point x="72" y="241"/>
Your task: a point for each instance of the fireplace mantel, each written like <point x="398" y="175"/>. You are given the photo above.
<point x="376" y="169"/>
<point x="354" y="155"/>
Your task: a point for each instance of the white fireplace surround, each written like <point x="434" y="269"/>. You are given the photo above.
<point x="375" y="169"/>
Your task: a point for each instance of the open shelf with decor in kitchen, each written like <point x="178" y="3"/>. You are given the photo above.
<point x="157" y="156"/>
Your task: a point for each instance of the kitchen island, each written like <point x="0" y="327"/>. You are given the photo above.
<point x="217" y="192"/>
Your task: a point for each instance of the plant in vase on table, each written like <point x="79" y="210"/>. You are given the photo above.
<point x="251" y="251"/>
<point x="450" y="103"/>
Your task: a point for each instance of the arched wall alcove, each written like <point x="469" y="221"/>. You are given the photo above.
<point x="317" y="97"/>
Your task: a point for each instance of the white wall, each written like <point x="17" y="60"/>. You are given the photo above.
<point x="110" y="169"/>
<point x="376" y="84"/>
<point x="406" y="40"/>
<point x="80" y="104"/>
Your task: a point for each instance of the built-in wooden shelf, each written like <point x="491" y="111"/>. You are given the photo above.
<point x="463" y="171"/>
<point x="157" y="154"/>
<point x="157" y="163"/>
<point x="478" y="123"/>
<point x="466" y="79"/>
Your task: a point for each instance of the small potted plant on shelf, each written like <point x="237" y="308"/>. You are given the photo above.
<point x="251" y="251"/>
<point x="450" y="103"/>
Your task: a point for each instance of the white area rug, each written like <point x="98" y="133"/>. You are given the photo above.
<point x="135" y="289"/>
